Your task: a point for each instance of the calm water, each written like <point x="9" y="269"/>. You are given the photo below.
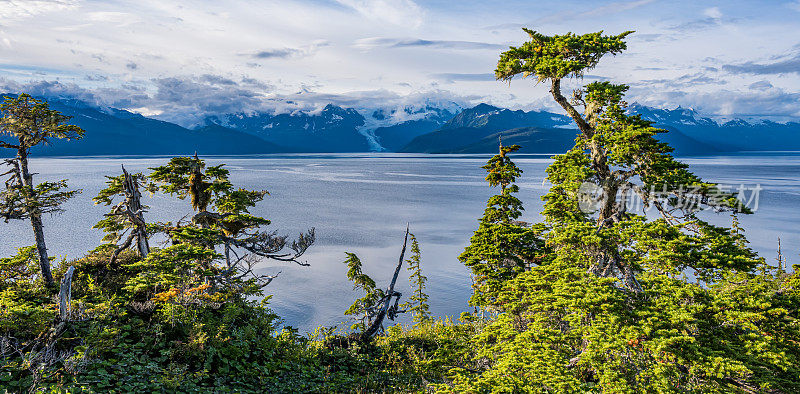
<point x="361" y="202"/>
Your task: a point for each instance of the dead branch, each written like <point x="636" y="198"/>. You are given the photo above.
<point x="385" y="306"/>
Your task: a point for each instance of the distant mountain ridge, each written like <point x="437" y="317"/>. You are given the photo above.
<point x="733" y="135"/>
<point x="421" y="128"/>
<point x="426" y="119"/>
<point x="333" y="129"/>
<point x="120" y="132"/>
<point x="478" y="129"/>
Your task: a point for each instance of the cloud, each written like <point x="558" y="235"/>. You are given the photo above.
<point x="275" y="53"/>
<point x="795" y="5"/>
<point x="384" y="42"/>
<point x="760" y="85"/>
<point x="96" y="78"/>
<point x="216" y="80"/>
<point x="454" y="77"/>
<point x="285" y="53"/>
<point x="190" y="97"/>
<point x="650" y="37"/>
<point x="189" y="100"/>
<point x="397" y="12"/>
<point x="786" y="66"/>
<point x="22" y="9"/>
<point x="603" y="10"/>
<point x="228" y="57"/>
<point x="614" y="8"/>
<point x="713" y="13"/>
<point x="184" y="100"/>
<point x="119" y="19"/>
<point x="713" y="17"/>
<point x="697" y="25"/>
<point x="764" y="103"/>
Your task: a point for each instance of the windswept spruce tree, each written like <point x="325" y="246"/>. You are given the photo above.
<point x="619" y="300"/>
<point x="222" y="221"/>
<point x="28" y="122"/>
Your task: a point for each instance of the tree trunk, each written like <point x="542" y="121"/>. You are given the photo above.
<point x="377" y="323"/>
<point x="65" y="295"/>
<point x="41" y="249"/>
<point x="135" y="207"/>
<point x="26" y="179"/>
<point x="607" y="261"/>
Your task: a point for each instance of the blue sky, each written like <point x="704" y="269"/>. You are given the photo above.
<point x="180" y="61"/>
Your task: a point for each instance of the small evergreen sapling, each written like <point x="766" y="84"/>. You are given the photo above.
<point x="417" y="303"/>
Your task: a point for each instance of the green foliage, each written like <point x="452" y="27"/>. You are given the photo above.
<point x="189" y="177"/>
<point x="222" y="213"/>
<point x="363" y="282"/>
<point x="19" y="201"/>
<point x="149" y="325"/>
<point x="427" y="354"/>
<point x="32" y="122"/>
<point x="501" y="247"/>
<point x="559" y="56"/>
<point x="566" y="330"/>
<point x="417" y="303"/>
<point x="115" y="224"/>
<point x="25" y="307"/>
<point x="610" y="306"/>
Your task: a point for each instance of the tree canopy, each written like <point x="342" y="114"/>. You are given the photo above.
<point x="27" y="122"/>
<point x="622" y="300"/>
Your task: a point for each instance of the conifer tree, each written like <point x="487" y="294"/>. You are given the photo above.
<point x="222" y="219"/>
<point x="376" y="305"/>
<point x="501" y="247"/>
<point x="417" y="303"/>
<point x="28" y="122"/>
<point x="125" y="216"/>
<point x="610" y="307"/>
<point x="617" y="155"/>
<point x="361" y="308"/>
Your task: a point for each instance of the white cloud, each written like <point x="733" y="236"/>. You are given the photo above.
<point x="310" y="51"/>
<point x="713" y="13"/>
<point x="116" y="18"/>
<point x="795" y="5"/>
<point x="398" y="12"/>
<point x="577" y="13"/>
<point x="21" y="9"/>
<point x="385" y="42"/>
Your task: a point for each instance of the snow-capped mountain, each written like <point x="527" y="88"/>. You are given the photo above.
<point x="675" y="117"/>
<point x="418" y="126"/>
<point x="112" y="131"/>
<point x="337" y="129"/>
<point x="732" y="135"/>
<point x="477" y="130"/>
<point x="331" y="129"/>
<point x="401" y="125"/>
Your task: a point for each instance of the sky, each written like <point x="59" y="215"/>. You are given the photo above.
<point x="181" y="61"/>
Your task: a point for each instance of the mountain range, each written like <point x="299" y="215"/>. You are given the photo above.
<point x="418" y="129"/>
<point x="118" y="132"/>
